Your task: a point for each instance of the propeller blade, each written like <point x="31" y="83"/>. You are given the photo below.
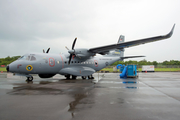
<point x="67" y="48"/>
<point x="70" y="58"/>
<point x="72" y="52"/>
<point x="43" y="51"/>
<point x="74" y="43"/>
<point x="48" y="50"/>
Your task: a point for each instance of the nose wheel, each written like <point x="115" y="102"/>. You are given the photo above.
<point x="30" y="78"/>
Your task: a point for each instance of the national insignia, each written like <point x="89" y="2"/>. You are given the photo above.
<point x="29" y="67"/>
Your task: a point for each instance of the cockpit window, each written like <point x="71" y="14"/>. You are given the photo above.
<point x="23" y="57"/>
<point x="33" y="58"/>
<point x="28" y="57"/>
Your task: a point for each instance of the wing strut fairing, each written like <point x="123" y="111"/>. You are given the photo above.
<point x="131" y="43"/>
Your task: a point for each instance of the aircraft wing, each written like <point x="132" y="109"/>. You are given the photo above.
<point x="131" y="43"/>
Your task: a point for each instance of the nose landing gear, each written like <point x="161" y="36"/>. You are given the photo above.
<point x="29" y="78"/>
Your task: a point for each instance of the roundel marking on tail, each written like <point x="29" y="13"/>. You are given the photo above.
<point x="96" y="63"/>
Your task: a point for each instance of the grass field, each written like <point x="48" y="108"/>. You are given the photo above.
<point x="2" y="69"/>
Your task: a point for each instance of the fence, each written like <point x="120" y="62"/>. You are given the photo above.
<point x="158" y="68"/>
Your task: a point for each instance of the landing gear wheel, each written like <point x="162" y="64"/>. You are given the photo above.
<point x="30" y="78"/>
<point x="83" y="77"/>
<point x="90" y="77"/>
<point x="74" y="77"/>
<point x="67" y="77"/>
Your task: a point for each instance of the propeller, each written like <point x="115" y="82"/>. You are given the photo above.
<point x="46" y="51"/>
<point x="72" y="52"/>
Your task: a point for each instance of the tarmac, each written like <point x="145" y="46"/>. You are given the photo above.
<point x="151" y="96"/>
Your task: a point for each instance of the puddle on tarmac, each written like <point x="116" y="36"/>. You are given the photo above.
<point x="79" y="90"/>
<point x="2" y="86"/>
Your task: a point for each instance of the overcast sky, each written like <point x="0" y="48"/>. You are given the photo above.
<point x="33" y="25"/>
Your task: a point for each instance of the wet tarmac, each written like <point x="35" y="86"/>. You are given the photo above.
<point x="152" y="96"/>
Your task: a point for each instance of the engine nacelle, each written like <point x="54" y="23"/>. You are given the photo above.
<point x="46" y="75"/>
<point x="83" y="53"/>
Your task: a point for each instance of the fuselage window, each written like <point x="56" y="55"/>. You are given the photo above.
<point x="72" y="62"/>
<point x="65" y="62"/>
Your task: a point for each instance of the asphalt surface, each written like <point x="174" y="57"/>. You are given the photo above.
<point x="152" y="96"/>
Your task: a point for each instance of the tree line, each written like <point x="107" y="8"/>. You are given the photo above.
<point x="145" y="62"/>
<point x="8" y="60"/>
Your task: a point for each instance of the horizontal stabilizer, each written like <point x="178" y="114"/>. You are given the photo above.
<point x="131" y="57"/>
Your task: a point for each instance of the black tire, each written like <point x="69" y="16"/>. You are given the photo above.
<point x="83" y="77"/>
<point x="67" y="77"/>
<point x="30" y="78"/>
<point x="90" y="77"/>
<point x="74" y="77"/>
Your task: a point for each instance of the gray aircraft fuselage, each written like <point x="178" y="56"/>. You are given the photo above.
<point x="46" y="63"/>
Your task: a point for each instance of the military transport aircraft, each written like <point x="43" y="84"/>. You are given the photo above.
<point x="79" y="62"/>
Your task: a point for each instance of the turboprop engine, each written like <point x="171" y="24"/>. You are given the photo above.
<point x="81" y="53"/>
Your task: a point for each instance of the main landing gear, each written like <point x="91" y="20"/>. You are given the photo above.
<point x="89" y="77"/>
<point x="68" y="77"/>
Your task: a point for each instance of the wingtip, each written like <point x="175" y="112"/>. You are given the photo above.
<point x="171" y="32"/>
<point x="173" y="27"/>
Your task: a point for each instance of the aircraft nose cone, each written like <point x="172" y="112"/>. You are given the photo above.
<point x="7" y="68"/>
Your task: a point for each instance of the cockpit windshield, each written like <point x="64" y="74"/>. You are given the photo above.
<point x="22" y="58"/>
<point x="28" y="57"/>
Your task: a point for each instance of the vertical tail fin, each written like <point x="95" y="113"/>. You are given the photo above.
<point x="121" y="40"/>
<point x="118" y="52"/>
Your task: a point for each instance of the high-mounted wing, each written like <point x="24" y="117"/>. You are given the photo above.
<point x="130" y="43"/>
